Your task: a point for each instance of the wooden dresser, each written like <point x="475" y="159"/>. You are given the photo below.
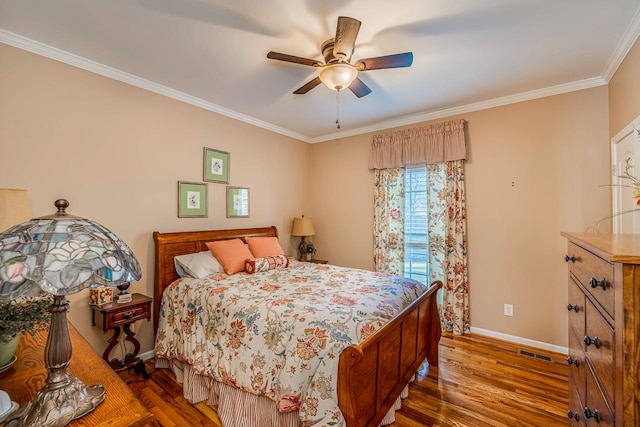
<point x="121" y="408"/>
<point x="604" y="329"/>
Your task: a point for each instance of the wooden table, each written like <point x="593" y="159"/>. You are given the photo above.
<point x="28" y="374"/>
<point x="113" y="316"/>
<point x="316" y="261"/>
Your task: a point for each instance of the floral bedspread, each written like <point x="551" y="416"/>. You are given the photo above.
<point x="279" y="333"/>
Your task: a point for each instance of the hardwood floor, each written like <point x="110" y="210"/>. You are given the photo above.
<point x="480" y="382"/>
<point x="484" y="382"/>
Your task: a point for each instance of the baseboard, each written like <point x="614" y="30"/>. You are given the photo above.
<point x="511" y="338"/>
<point x="147" y="355"/>
<point x="520" y="340"/>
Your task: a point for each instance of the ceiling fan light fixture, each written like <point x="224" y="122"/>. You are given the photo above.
<point x="338" y="76"/>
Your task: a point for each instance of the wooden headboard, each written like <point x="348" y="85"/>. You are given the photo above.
<point x="170" y="245"/>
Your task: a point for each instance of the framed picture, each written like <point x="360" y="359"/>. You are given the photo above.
<point x="237" y="202"/>
<point x="192" y="199"/>
<point x="216" y="166"/>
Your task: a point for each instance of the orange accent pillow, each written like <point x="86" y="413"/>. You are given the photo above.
<point x="262" y="247"/>
<point x="231" y="254"/>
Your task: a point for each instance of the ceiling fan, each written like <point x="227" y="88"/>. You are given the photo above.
<point x="337" y="72"/>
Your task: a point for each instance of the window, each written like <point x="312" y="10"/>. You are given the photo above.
<point x="416" y="224"/>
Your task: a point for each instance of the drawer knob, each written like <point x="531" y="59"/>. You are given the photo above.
<point x="574" y="415"/>
<point x="573" y="307"/>
<point x="573" y="361"/>
<point x="595" y="414"/>
<point x="595" y="283"/>
<point x="568" y="258"/>
<point x="595" y="341"/>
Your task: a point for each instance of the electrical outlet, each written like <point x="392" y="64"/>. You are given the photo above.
<point x="508" y="309"/>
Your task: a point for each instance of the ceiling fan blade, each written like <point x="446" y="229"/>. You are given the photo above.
<point x="346" y="34"/>
<point x="398" y="60"/>
<point x="295" y="59"/>
<point x="359" y="89"/>
<point x="308" y="86"/>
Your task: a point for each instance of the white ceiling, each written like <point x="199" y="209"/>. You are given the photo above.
<point x="468" y="54"/>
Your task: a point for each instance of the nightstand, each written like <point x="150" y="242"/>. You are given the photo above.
<point x="318" y="261"/>
<point x="116" y="315"/>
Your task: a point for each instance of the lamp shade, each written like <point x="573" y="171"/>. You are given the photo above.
<point x="302" y="227"/>
<point x="61" y="254"/>
<point x="14" y="207"/>
<point x="338" y="76"/>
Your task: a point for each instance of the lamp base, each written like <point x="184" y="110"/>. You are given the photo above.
<point x="63" y="398"/>
<point x="302" y="248"/>
<point x="56" y="405"/>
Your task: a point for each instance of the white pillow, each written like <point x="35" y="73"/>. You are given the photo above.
<point x="199" y="265"/>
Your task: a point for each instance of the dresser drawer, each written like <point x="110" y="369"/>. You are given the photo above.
<point x="575" y="413"/>
<point x="577" y="365"/>
<point x="596" y="411"/>
<point x="127" y="316"/>
<point x="595" y="274"/>
<point x="600" y="351"/>
<point x="575" y="305"/>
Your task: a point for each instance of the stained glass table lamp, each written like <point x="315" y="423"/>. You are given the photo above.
<point x="60" y="254"/>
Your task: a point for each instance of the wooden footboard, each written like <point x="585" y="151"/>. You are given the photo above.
<point x="371" y="375"/>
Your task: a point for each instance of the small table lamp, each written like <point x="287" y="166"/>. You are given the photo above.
<point x="60" y="254"/>
<point x="302" y="227"/>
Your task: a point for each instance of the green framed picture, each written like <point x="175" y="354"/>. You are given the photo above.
<point x="192" y="199"/>
<point x="216" y="166"/>
<point x="237" y="202"/>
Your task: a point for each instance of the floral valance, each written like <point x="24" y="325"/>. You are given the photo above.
<point x="443" y="142"/>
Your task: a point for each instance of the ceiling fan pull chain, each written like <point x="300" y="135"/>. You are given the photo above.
<point x="338" y="109"/>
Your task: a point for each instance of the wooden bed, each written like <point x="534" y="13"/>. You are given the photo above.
<point x="371" y="375"/>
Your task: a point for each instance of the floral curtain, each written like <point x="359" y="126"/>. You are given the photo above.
<point x="388" y="220"/>
<point x="442" y="148"/>
<point x="448" y="242"/>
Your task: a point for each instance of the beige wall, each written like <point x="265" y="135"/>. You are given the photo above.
<point x="554" y="150"/>
<point x="101" y="143"/>
<point x="624" y="92"/>
<point x="116" y="153"/>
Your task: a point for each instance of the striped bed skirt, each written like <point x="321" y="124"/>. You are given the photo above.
<point x="239" y="408"/>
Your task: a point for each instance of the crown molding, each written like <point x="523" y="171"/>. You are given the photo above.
<point x="626" y="43"/>
<point x="41" y="49"/>
<point x="468" y="108"/>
